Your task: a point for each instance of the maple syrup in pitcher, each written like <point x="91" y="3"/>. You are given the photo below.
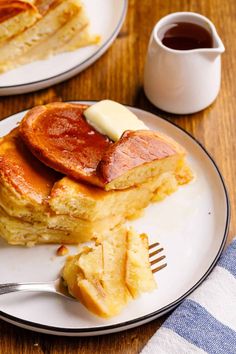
<point x="185" y="36"/>
<point x="183" y="64"/>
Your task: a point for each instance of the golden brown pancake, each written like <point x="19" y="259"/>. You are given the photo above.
<point x="133" y="149"/>
<point x="26" y="174"/>
<point x="26" y="217"/>
<point x="38" y="205"/>
<point x="60" y="137"/>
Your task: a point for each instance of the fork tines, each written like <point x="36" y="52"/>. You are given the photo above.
<point x="156" y="260"/>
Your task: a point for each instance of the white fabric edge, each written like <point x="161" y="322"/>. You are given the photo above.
<point x="218" y="296"/>
<point x="165" y="341"/>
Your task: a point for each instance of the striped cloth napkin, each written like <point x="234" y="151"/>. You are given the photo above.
<point x="205" y="322"/>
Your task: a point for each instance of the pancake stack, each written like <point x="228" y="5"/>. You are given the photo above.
<point x="34" y="30"/>
<point x="61" y="181"/>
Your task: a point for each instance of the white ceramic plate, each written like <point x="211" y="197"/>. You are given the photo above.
<point x="106" y="18"/>
<point x="191" y="225"/>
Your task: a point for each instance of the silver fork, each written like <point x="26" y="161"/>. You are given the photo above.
<point x="59" y="288"/>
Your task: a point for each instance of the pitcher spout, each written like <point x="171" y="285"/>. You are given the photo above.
<point x="218" y="46"/>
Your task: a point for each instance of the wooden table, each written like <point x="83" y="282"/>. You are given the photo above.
<point x="118" y="75"/>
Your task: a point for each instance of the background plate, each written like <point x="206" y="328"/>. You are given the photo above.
<point x="106" y="18"/>
<point x="191" y="225"/>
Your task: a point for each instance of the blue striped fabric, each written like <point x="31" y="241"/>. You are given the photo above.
<point x="192" y="322"/>
<point x="204" y="322"/>
<point x="228" y="260"/>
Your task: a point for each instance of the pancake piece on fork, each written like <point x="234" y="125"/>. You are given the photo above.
<point x="105" y="277"/>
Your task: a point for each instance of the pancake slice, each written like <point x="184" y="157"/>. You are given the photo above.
<point x="60" y="137"/>
<point x="22" y="172"/>
<point x="46" y="228"/>
<point x="93" y="203"/>
<point x="72" y="35"/>
<point x="59" y="22"/>
<point x="81" y="38"/>
<point x="58" y="40"/>
<point x="138" y="156"/>
<point x="138" y="277"/>
<point x="101" y="276"/>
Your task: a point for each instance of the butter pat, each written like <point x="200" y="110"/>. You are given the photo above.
<point x="112" y="119"/>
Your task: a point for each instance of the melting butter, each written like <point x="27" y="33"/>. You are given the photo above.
<point x="112" y="119"/>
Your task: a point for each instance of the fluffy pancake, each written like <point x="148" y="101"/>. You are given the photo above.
<point x="137" y="156"/>
<point x="38" y="205"/>
<point x="138" y="275"/>
<point x="25" y="189"/>
<point x="61" y="41"/>
<point x="26" y="174"/>
<point x="50" y="228"/>
<point x="60" y="137"/>
<point x="44" y="28"/>
<point x="25" y="183"/>
<point x="19" y="45"/>
<point x="93" y="203"/>
<point x="58" y="133"/>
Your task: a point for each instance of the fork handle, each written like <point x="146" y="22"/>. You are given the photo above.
<point x="14" y="287"/>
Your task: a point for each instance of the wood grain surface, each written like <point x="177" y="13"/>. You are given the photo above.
<point x="118" y="75"/>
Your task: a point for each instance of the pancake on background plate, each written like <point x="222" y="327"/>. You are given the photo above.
<point x="36" y="30"/>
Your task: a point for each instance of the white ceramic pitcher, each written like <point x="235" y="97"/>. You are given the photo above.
<point x="183" y="81"/>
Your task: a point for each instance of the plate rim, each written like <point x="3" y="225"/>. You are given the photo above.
<point x="101" y="330"/>
<point x="101" y="50"/>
